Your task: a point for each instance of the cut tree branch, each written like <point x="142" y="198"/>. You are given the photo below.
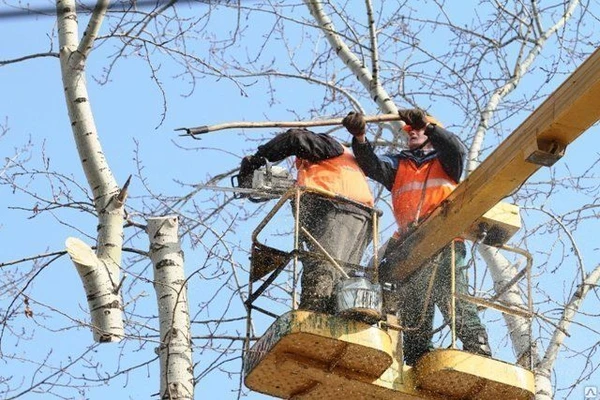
<point x="199" y="130"/>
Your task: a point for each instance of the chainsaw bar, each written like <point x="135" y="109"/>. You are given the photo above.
<point x="274" y="191"/>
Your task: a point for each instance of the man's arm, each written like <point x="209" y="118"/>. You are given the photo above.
<point x="383" y="169"/>
<point x="301" y="143"/>
<point x="451" y="151"/>
<point x="380" y="169"/>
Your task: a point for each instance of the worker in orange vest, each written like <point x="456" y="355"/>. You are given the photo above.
<point x="419" y="179"/>
<point x="343" y="228"/>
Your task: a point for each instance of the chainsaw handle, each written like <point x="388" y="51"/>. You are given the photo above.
<point x="235" y="182"/>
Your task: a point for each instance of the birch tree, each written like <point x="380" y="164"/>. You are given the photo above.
<point x="100" y="271"/>
<point x="150" y="67"/>
<point x="176" y="378"/>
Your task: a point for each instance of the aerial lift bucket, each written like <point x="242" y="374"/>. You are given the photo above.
<point x="457" y="374"/>
<point x="312" y="356"/>
<point x="308" y="355"/>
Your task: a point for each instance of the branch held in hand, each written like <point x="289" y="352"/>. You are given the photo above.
<point x="199" y="130"/>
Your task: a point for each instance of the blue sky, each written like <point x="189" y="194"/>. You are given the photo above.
<point x="128" y="110"/>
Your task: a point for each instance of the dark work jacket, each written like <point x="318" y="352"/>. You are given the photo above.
<point x="447" y="148"/>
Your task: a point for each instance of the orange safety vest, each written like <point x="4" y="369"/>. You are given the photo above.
<point x="417" y="190"/>
<point x="339" y="175"/>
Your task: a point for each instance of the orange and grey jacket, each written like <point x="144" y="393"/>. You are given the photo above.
<point x="323" y="163"/>
<point x="418" y="181"/>
<point x="340" y="175"/>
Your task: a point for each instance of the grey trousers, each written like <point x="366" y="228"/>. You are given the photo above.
<point x="344" y="234"/>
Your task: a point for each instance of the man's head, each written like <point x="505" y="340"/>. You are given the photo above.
<point x="416" y="122"/>
<point x="415" y="138"/>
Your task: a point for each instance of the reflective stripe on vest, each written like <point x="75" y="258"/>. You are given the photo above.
<point x="418" y="190"/>
<point x="431" y="183"/>
<point x="339" y="175"/>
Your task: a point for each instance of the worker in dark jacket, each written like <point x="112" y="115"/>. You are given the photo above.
<point x="419" y="179"/>
<point x="342" y="228"/>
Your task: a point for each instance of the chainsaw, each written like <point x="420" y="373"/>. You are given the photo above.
<point x="268" y="182"/>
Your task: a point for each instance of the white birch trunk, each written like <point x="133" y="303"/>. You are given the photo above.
<point x="518" y="327"/>
<point x="101" y="276"/>
<point x="175" y="351"/>
<point x="376" y="91"/>
<point x="543" y="386"/>
<point x="104" y="301"/>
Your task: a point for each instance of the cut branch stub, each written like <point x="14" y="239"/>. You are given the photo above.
<point x="104" y="300"/>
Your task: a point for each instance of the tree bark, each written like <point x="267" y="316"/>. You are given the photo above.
<point x="175" y="351"/>
<point x="543" y="386"/>
<point x="103" y="300"/>
<point x="518" y="327"/>
<point x="376" y="91"/>
<point x="100" y="273"/>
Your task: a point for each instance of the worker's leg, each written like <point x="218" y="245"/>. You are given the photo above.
<point x="343" y="235"/>
<point x="416" y="311"/>
<point x="469" y="328"/>
<point x="317" y="287"/>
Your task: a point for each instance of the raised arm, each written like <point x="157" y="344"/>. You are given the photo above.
<point x="451" y="151"/>
<point x="293" y="142"/>
<point x="380" y="169"/>
<point x="301" y="143"/>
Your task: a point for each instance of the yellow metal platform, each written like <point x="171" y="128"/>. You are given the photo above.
<point x="307" y="355"/>
<point x="301" y="347"/>
<point x="460" y="375"/>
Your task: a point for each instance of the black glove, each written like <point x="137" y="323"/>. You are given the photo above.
<point x="414" y="117"/>
<point x="247" y="168"/>
<point x="355" y="123"/>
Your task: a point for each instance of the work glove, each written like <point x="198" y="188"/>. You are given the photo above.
<point x="355" y="123"/>
<point x="414" y="117"/>
<point x="248" y="166"/>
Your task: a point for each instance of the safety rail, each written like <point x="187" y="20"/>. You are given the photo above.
<point x="494" y="301"/>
